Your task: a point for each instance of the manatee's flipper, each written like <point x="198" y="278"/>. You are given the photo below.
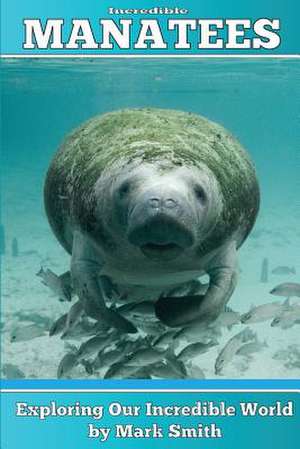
<point x="110" y="291"/>
<point x="178" y="310"/>
<point x="86" y="279"/>
<point x="203" y="308"/>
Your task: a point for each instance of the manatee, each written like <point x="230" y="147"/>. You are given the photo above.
<point x="146" y="201"/>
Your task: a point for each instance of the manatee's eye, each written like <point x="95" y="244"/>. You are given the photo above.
<point x="200" y="193"/>
<point x="124" y="189"/>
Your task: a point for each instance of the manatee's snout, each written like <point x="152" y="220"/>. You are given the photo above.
<point x="159" y="225"/>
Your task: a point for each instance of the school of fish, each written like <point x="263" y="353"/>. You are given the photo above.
<point x="155" y="351"/>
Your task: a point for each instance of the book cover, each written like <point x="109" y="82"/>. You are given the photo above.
<point x="149" y="232"/>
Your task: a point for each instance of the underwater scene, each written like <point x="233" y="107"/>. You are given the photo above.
<point x="53" y="325"/>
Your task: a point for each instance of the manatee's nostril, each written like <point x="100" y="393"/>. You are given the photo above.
<point x="170" y="203"/>
<point x="154" y="202"/>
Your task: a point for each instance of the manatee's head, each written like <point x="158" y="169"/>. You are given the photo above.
<point x="160" y="210"/>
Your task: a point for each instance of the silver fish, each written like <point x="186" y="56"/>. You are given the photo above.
<point x="144" y="309"/>
<point x="164" y="370"/>
<point x="34" y="317"/>
<point x="287" y="354"/>
<point x="251" y="348"/>
<point x="195" y="372"/>
<point x="93" y="346"/>
<point x="141" y="373"/>
<point x="73" y="316"/>
<point x="282" y="270"/>
<point x="198" y="333"/>
<point x="85" y="327"/>
<point x="146" y="356"/>
<point x="287" y="289"/>
<point x="193" y="350"/>
<point x="167" y="338"/>
<point x="57" y="284"/>
<point x="12" y="371"/>
<point x="152" y="328"/>
<point x="281" y="354"/>
<point x="66" y="365"/>
<point x="120" y="371"/>
<point x="287" y="318"/>
<point x="128" y="346"/>
<point x="113" y="319"/>
<point x="263" y="312"/>
<point x="58" y="326"/>
<point x="89" y="368"/>
<point x="108" y="358"/>
<point x="228" y="318"/>
<point x="231" y="348"/>
<point x="26" y="333"/>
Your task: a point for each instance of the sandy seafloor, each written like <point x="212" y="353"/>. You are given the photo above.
<point x="276" y="236"/>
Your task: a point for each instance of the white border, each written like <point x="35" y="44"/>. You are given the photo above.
<point x="138" y="56"/>
<point x="143" y="390"/>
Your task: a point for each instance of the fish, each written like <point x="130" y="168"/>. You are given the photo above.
<point x="193" y="350"/>
<point x="287" y="318"/>
<point x="113" y="319"/>
<point x="164" y="370"/>
<point x="142" y="373"/>
<point x="283" y="270"/>
<point x="94" y="345"/>
<point x="108" y="358"/>
<point x="228" y="319"/>
<point x="73" y="316"/>
<point x="12" y="371"/>
<point x="59" y="285"/>
<point x="144" y="309"/>
<point x="34" y="317"/>
<point x="230" y="349"/>
<point x="195" y="372"/>
<point x="250" y="348"/>
<point x="281" y="354"/>
<point x="84" y="328"/>
<point x="164" y="340"/>
<point x="287" y="289"/>
<point x="176" y="364"/>
<point x="264" y="275"/>
<point x="26" y="333"/>
<point x="152" y="328"/>
<point x="58" y="326"/>
<point x="263" y="312"/>
<point x="196" y="333"/>
<point x="88" y="365"/>
<point x="129" y="346"/>
<point x="66" y="365"/>
<point x="147" y="356"/>
<point x="120" y="371"/>
<point x="290" y="355"/>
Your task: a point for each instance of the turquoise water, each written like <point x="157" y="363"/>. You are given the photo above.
<point x="43" y="100"/>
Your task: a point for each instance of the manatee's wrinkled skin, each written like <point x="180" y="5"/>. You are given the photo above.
<point x="147" y="200"/>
